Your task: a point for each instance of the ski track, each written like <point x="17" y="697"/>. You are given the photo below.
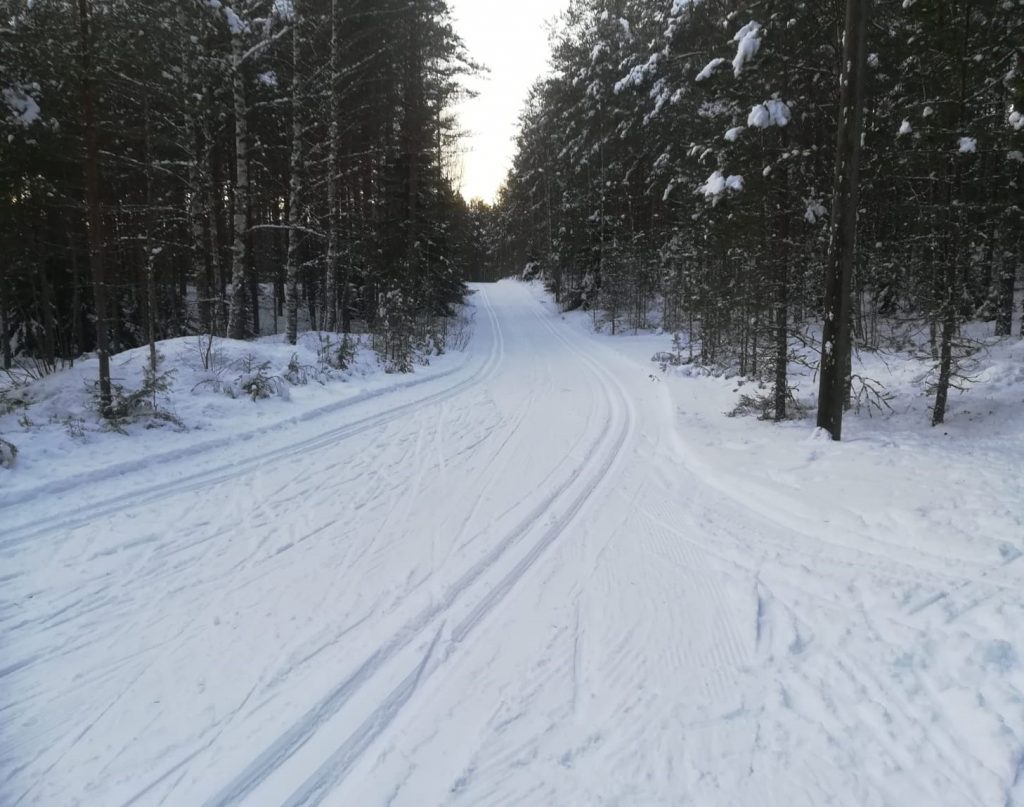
<point x="511" y="584"/>
<point x="225" y="472"/>
<point x="334" y="769"/>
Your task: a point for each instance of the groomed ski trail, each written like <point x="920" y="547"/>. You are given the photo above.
<point x="514" y="584"/>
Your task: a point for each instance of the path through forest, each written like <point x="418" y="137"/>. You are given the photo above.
<point x="510" y="584"/>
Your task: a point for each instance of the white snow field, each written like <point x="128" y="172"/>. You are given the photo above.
<point x="546" y="576"/>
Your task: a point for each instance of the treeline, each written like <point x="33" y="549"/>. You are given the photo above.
<point x="180" y="166"/>
<point x="685" y="153"/>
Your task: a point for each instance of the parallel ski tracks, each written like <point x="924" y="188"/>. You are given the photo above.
<point x="437" y="628"/>
<point x="228" y="471"/>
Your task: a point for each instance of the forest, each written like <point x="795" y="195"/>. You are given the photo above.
<point x="176" y="167"/>
<point x="258" y="167"/>
<point x="681" y="157"/>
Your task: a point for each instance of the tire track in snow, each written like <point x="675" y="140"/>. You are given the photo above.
<point x="577" y="489"/>
<point x="228" y="471"/>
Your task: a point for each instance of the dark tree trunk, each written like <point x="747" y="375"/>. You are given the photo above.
<point x="836" y="347"/>
<point x="93" y="202"/>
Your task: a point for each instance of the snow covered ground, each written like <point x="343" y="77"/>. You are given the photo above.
<point x="208" y="405"/>
<point x="546" y="574"/>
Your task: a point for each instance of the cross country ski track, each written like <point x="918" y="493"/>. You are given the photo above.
<point x="430" y="631"/>
<point x="225" y="471"/>
<point x="513" y="583"/>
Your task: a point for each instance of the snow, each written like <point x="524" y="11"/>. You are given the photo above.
<point x="61" y="439"/>
<point x="967" y="145"/>
<point x="709" y="69"/>
<point x="21" y="106"/>
<point x="235" y="23"/>
<point x="717" y="184"/>
<point x="748" y="43"/>
<point x="1016" y="120"/>
<point x="905" y="128"/>
<point x="771" y="113"/>
<point x="733" y="134"/>
<point x="815" y="212"/>
<point x="549" y="573"/>
<point x="759" y="117"/>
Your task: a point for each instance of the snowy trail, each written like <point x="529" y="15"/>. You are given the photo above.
<point x="514" y="584"/>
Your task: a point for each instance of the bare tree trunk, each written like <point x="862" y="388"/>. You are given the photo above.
<point x="93" y="202"/>
<point x="151" y="250"/>
<point x="349" y="273"/>
<point x="836" y="346"/>
<point x="49" y="325"/>
<point x="330" y="316"/>
<point x="1005" y="283"/>
<point x="291" y="282"/>
<point x="77" y="338"/>
<point x="239" y="257"/>
<point x="5" y="325"/>
<point x="217" y="318"/>
<point x="953" y="251"/>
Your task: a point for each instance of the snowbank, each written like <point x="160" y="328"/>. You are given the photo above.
<point x="211" y="400"/>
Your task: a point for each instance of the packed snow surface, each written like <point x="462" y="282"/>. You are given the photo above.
<point x="547" y="575"/>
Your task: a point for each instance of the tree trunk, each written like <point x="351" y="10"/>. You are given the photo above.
<point x="5" y="326"/>
<point x="953" y="250"/>
<point x="151" y="250"/>
<point x="77" y="337"/>
<point x="239" y="256"/>
<point x="291" y="282"/>
<point x="93" y="202"/>
<point x="330" y="315"/>
<point x="836" y="347"/>
<point x="1005" y="283"/>
<point x="217" y="318"/>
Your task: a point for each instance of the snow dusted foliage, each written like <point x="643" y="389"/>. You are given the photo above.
<point x="626" y="150"/>
<point x="241" y="170"/>
<point x="22" y="107"/>
<point x="717" y="184"/>
<point x="748" y="43"/>
<point x="709" y="69"/>
<point x="770" y="113"/>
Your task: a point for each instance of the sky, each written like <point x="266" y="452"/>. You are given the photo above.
<point x="511" y="40"/>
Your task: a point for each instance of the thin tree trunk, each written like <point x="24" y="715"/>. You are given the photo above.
<point x="836" y="345"/>
<point x="49" y="325"/>
<point x="953" y="250"/>
<point x="291" y="282"/>
<point x="151" y="250"/>
<point x="91" y="171"/>
<point x="239" y="255"/>
<point x="330" y="316"/>
<point x="77" y="337"/>
<point x="1004" y="295"/>
<point x="217" y="318"/>
<point x="5" y="325"/>
<point x="782" y="321"/>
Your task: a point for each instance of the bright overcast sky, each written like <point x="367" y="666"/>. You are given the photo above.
<point x="511" y="40"/>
